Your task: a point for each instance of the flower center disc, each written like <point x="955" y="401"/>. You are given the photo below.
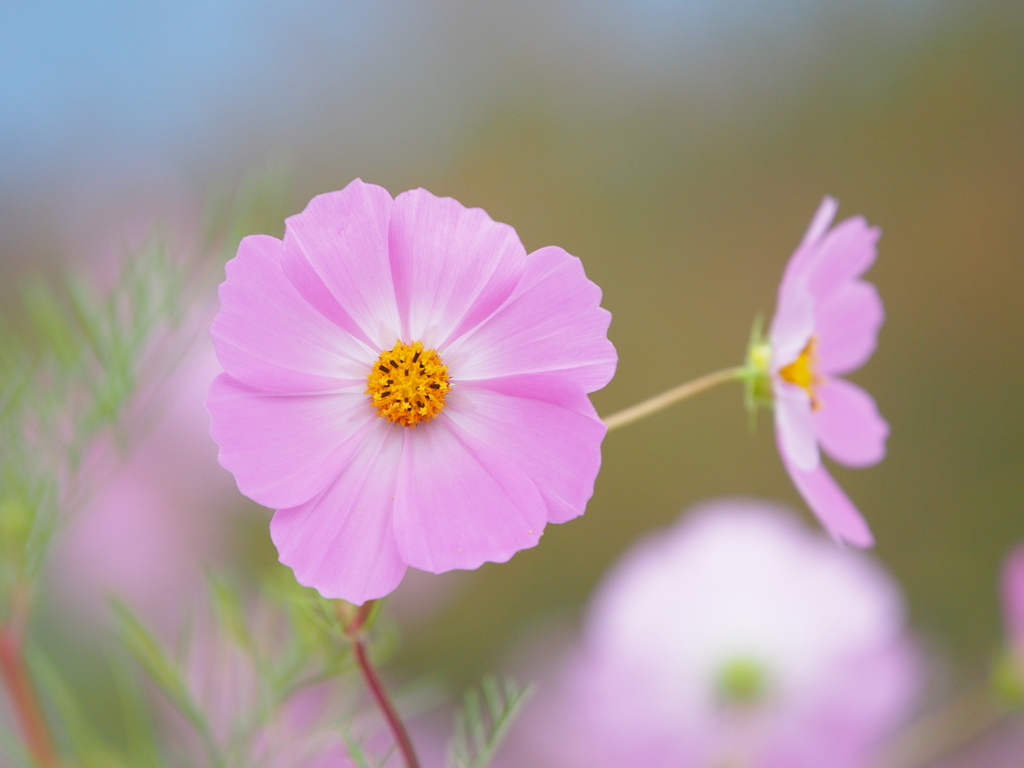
<point x="804" y="371"/>
<point x="408" y="384"/>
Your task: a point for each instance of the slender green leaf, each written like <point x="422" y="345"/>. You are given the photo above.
<point x="478" y="733"/>
<point x="158" y="665"/>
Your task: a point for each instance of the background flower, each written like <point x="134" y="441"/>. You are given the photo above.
<point x="160" y="517"/>
<point x="1009" y="673"/>
<point x="1012" y="588"/>
<point x="512" y="441"/>
<point x="825" y="325"/>
<point x="737" y="637"/>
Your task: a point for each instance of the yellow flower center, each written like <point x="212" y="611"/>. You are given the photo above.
<point x="804" y="371"/>
<point x="408" y="384"/>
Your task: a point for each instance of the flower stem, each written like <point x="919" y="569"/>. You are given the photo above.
<point x="672" y="396"/>
<point x="23" y="698"/>
<point x="354" y="631"/>
<point x="955" y="724"/>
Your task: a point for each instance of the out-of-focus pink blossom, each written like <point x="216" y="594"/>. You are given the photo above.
<point x="407" y="387"/>
<point x="826" y="325"/>
<point x="1012" y="587"/>
<point x="146" y="534"/>
<point x="736" y="638"/>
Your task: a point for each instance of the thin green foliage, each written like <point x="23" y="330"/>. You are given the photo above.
<point x="357" y="754"/>
<point x="159" y="665"/>
<point x="12" y="749"/>
<point x="80" y="376"/>
<point x="87" y="355"/>
<point x="482" y="725"/>
<point x="83" y="738"/>
<point x="139" y="730"/>
<point x="239" y="210"/>
<point x="228" y="608"/>
<point x="91" y="748"/>
<point x="262" y="647"/>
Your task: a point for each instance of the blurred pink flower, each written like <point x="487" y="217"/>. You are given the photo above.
<point x="737" y="637"/>
<point x="152" y="525"/>
<point x="448" y="448"/>
<point x="1012" y="588"/>
<point x="825" y="325"/>
<point x="1013" y="597"/>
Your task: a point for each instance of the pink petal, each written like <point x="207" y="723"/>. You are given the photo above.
<point x="552" y="323"/>
<point x="552" y="388"/>
<point x="341" y="542"/>
<point x="557" y="443"/>
<point x="793" y="323"/>
<point x="267" y="336"/>
<point x="849" y="427"/>
<point x="459" y="503"/>
<point x="805" y="252"/>
<point x="336" y="255"/>
<point x="821" y="221"/>
<point x="844" y="254"/>
<point x="452" y="265"/>
<point x="1013" y="595"/>
<point x="794" y="426"/>
<point x="847" y="327"/>
<point x="284" y="449"/>
<point x="829" y="503"/>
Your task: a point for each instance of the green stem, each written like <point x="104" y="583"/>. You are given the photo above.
<point x="672" y="396"/>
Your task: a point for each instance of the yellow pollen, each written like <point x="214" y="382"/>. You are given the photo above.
<point x="408" y="384"/>
<point x="804" y="371"/>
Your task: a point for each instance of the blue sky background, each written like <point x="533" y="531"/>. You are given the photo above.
<point x="100" y="90"/>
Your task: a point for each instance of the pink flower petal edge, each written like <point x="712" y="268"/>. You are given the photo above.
<point x="359" y="497"/>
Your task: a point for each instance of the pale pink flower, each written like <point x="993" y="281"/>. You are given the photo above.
<point x="738" y="637"/>
<point x="407" y="387"/>
<point x="825" y="325"/>
<point x="1013" y="595"/>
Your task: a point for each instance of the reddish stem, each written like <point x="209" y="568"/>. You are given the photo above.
<point x="24" y="700"/>
<point x="354" y="630"/>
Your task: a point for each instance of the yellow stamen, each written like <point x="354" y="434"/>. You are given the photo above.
<point x="804" y="371"/>
<point x="408" y="384"/>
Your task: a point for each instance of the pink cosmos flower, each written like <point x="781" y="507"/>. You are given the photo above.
<point x="825" y="325"/>
<point x="407" y="387"/>
<point x="737" y="637"/>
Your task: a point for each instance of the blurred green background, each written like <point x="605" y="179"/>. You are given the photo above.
<point x="679" y="149"/>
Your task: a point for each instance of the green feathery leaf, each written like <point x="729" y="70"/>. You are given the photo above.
<point x="481" y="727"/>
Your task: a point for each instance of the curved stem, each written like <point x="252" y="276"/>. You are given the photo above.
<point x="952" y="726"/>
<point x="354" y="631"/>
<point x="672" y="396"/>
<point x="24" y="701"/>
